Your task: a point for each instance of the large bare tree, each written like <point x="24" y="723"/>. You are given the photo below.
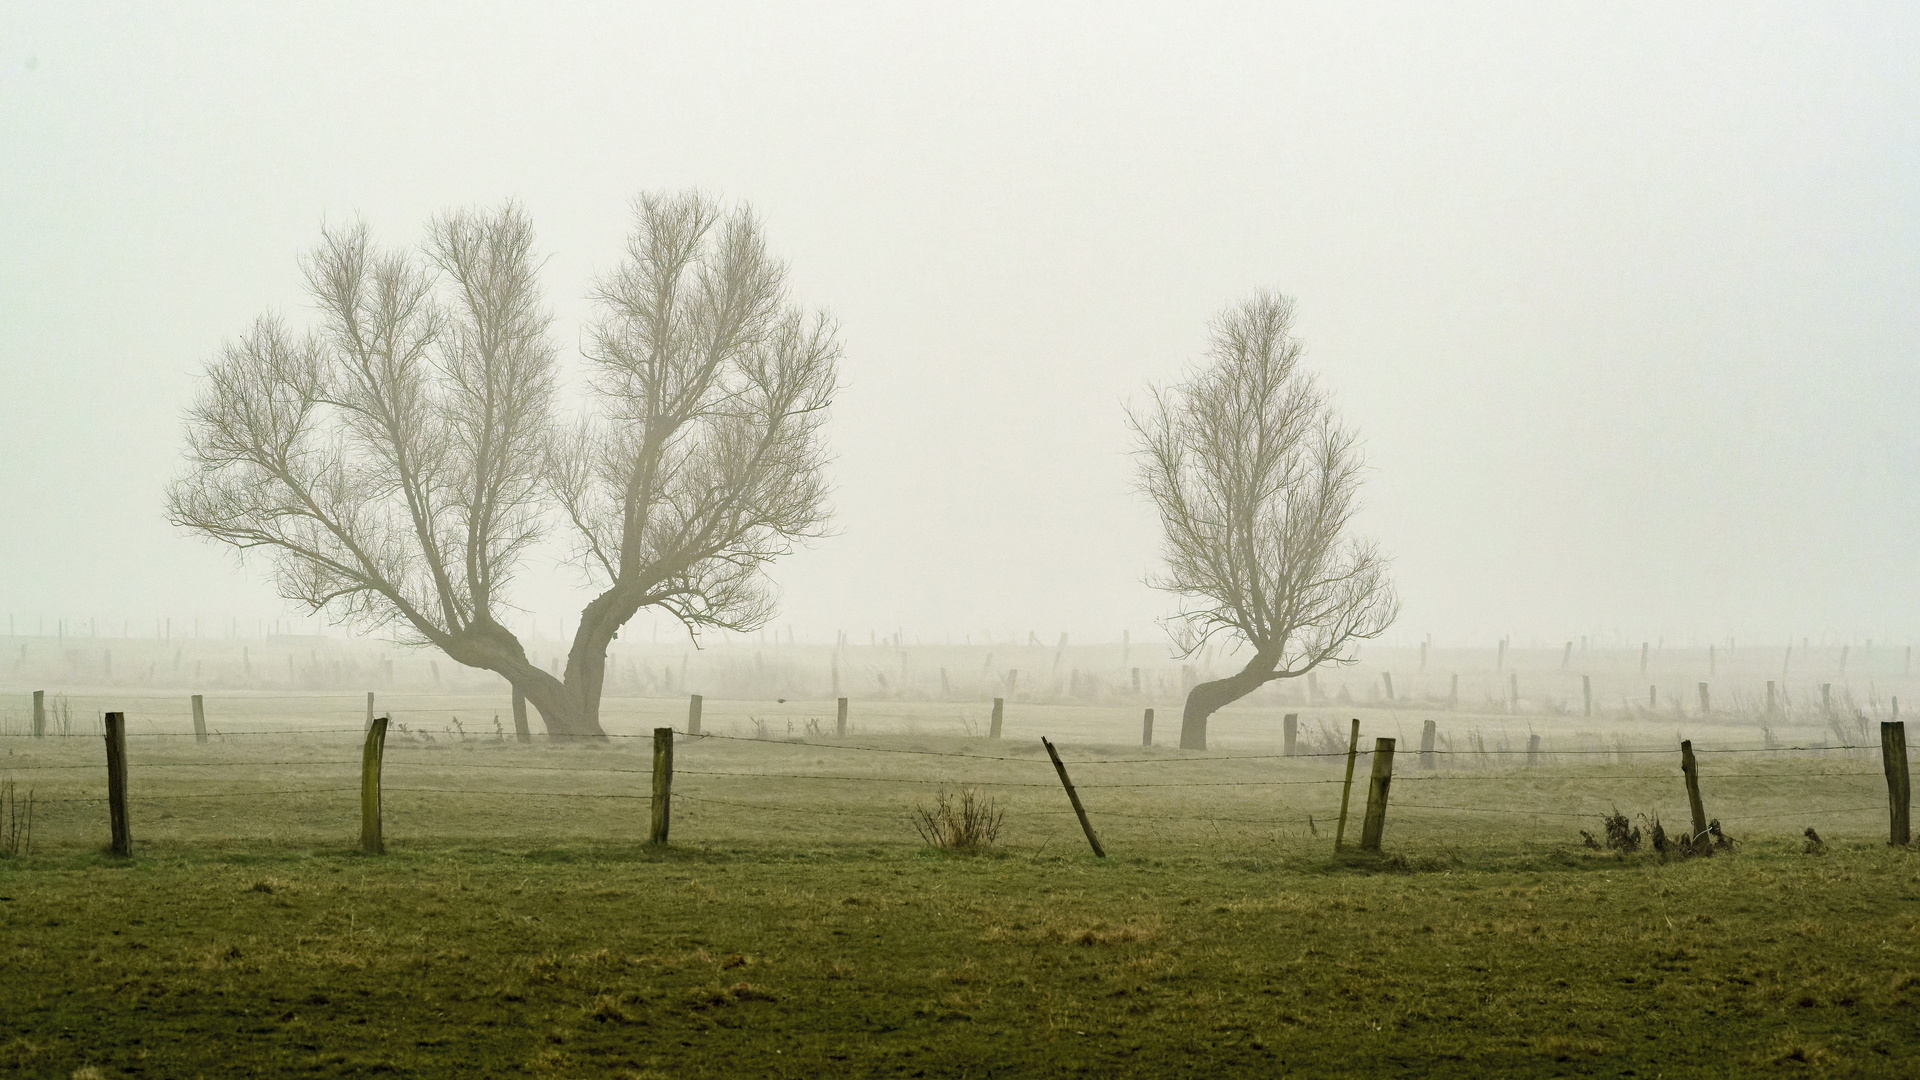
<point x="1255" y="480"/>
<point x="396" y="463"/>
<point x="703" y="459"/>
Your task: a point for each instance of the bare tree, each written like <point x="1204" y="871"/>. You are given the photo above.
<point x="704" y="459"/>
<point x="1255" y="480"/>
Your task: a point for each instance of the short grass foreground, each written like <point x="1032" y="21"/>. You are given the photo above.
<point x="897" y="960"/>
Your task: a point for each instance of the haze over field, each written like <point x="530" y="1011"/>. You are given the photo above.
<point x="1621" y="301"/>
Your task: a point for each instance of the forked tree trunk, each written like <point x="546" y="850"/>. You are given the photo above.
<point x="1210" y="697"/>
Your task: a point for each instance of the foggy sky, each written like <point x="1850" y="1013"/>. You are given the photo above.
<point x="1621" y="298"/>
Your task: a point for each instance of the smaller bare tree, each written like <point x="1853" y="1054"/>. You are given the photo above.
<point x="1255" y="480"/>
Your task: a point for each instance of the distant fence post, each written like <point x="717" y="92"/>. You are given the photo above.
<point x="693" y="718"/>
<point x="1146" y="729"/>
<point x="117" y="783"/>
<point x="1692" y="772"/>
<point x="1533" y="750"/>
<point x="662" y="783"/>
<point x="1893" y="756"/>
<point x="1706" y="703"/>
<point x="39" y="713"/>
<point x="372" y="841"/>
<point x="1586" y="692"/>
<point x="1290" y="734"/>
<point x="1428" y="733"/>
<point x="1353" y="751"/>
<point x="840" y="719"/>
<point x="1377" y="784"/>
<point x="520" y="730"/>
<point x="1386" y="679"/>
<point x="199" y="719"/>
<point x="1074" y="798"/>
<point x="999" y="711"/>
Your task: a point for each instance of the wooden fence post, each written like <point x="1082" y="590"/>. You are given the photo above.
<point x="1893" y="757"/>
<point x="1074" y="798"/>
<point x="693" y="717"/>
<point x="1290" y="734"/>
<point x="1533" y="750"/>
<point x="999" y="711"/>
<point x="1377" y="784"/>
<point x="1386" y="677"/>
<point x="840" y="718"/>
<point x="372" y="841"/>
<point x="1653" y="697"/>
<point x="1353" y="751"/>
<point x="1428" y="732"/>
<point x="1706" y="703"/>
<point x="1692" y="772"/>
<point x="369" y="709"/>
<point x="117" y="783"/>
<point x="662" y="784"/>
<point x="39" y="713"/>
<point x="1146" y="729"/>
<point x="199" y="719"/>
<point x="1586" y="692"/>
<point x="521" y="731"/>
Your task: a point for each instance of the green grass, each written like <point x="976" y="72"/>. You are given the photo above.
<point x="756" y="960"/>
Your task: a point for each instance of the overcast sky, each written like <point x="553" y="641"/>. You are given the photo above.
<point x="1622" y="298"/>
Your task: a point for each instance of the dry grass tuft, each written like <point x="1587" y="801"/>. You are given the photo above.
<point x="969" y="824"/>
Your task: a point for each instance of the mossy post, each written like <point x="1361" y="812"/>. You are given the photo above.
<point x="1377" y="785"/>
<point x="1074" y="798"/>
<point x="840" y="718"/>
<point x="662" y="784"/>
<point x="999" y="712"/>
<point x="521" y="732"/>
<point x="1428" y="733"/>
<point x="39" y="713"/>
<point x="1346" y="791"/>
<point x="1146" y="729"/>
<point x="117" y="783"/>
<point x="1893" y="756"/>
<point x="371" y="754"/>
<point x="1290" y="735"/>
<point x="199" y="718"/>
<point x="1692" y="773"/>
<point x="693" y="717"/>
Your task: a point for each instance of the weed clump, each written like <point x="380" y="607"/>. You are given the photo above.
<point x="1622" y="835"/>
<point x="969" y="823"/>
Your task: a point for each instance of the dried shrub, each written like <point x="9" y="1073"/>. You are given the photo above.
<point x="968" y="823"/>
<point x="1815" y="845"/>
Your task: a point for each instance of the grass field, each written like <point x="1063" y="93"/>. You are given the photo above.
<point x="797" y="927"/>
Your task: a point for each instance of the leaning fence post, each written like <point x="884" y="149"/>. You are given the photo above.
<point x="693" y="718"/>
<point x="1377" y="784"/>
<point x="1074" y="798"/>
<point x="521" y="732"/>
<point x="117" y="783"/>
<point x="371" y="755"/>
<point x="39" y="713"/>
<point x="199" y="719"/>
<point x="1146" y="729"/>
<point x="1290" y="734"/>
<point x="1893" y="756"/>
<point x="840" y="719"/>
<point x="1427" y="734"/>
<point x="1353" y="751"/>
<point x="1692" y="772"/>
<point x="662" y="783"/>
<point x="999" y="710"/>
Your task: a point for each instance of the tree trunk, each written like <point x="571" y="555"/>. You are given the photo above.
<point x="1209" y="697"/>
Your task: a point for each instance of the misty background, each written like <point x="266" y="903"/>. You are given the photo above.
<point x="1622" y="300"/>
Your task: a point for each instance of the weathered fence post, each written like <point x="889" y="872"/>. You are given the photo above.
<point x="1290" y="734"/>
<point x="521" y="732"/>
<point x="1146" y="729"/>
<point x="1706" y="703"/>
<point x="1353" y="751"/>
<point x="371" y="755"/>
<point x="693" y="714"/>
<point x="199" y="719"/>
<point x="1074" y="798"/>
<point x="369" y="708"/>
<point x="662" y="783"/>
<point x="117" y="783"/>
<point x="1586" y="692"/>
<point x="1386" y="678"/>
<point x="1692" y="772"/>
<point x="1533" y="750"/>
<point x="1893" y="757"/>
<point x="39" y="713"/>
<point x="999" y="711"/>
<point x="1377" y="784"/>
<point x="1428" y="732"/>
<point x="840" y="718"/>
